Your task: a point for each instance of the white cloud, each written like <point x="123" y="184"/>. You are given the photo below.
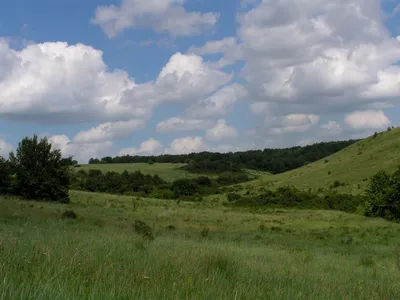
<point x="149" y="147"/>
<point x="186" y="79"/>
<point x="294" y="123"/>
<point x="259" y="108"/>
<point x="306" y="142"/>
<point x="186" y="145"/>
<point x="232" y="51"/>
<point x="183" y="145"/>
<point x="221" y="131"/>
<point x="369" y="119"/>
<point x="108" y="131"/>
<point x="219" y="103"/>
<point x="175" y="124"/>
<point x="55" y="82"/>
<point x="332" y="128"/>
<point x="5" y="148"/>
<point x="81" y="152"/>
<point x="315" y="56"/>
<point x="161" y="15"/>
<point x="61" y="83"/>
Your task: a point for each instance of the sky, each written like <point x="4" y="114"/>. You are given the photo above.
<point x="147" y="77"/>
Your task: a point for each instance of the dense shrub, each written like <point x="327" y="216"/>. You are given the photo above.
<point x="137" y="183"/>
<point x="382" y="196"/>
<point x="290" y="197"/>
<point x="231" y="197"/>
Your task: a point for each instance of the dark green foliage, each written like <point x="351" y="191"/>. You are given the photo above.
<point x="171" y="227"/>
<point x="382" y="196"/>
<point x="143" y="230"/>
<point x="205" y="231"/>
<point x="232" y="178"/>
<point x="38" y="172"/>
<point x="69" y="214"/>
<point x="337" y="184"/>
<point x="270" y="160"/>
<point x="137" y="183"/>
<point x="231" y="197"/>
<point x="5" y="176"/>
<point x="290" y="197"/>
<point x="184" y="187"/>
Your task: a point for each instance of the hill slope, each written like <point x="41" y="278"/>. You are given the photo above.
<point x="352" y="166"/>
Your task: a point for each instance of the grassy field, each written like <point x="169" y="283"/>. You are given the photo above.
<point x="168" y="172"/>
<point x="265" y="254"/>
<point x="352" y="166"/>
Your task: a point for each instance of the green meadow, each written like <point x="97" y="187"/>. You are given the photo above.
<point x="198" y="251"/>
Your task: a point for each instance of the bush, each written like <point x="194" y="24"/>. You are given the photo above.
<point x="382" y="196"/>
<point x="290" y="197"/>
<point x="40" y="172"/>
<point x="143" y="230"/>
<point x="69" y="214"/>
<point x="231" y="197"/>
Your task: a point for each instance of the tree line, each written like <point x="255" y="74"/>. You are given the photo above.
<point x="151" y="186"/>
<point x="270" y="160"/>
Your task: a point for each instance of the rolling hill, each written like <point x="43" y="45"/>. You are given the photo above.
<point x="351" y="167"/>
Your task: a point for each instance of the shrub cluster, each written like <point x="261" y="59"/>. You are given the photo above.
<point x="36" y="171"/>
<point x="136" y="183"/>
<point x="382" y="196"/>
<point x="290" y="197"/>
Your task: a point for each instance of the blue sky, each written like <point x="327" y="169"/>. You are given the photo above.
<point x="172" y="76"/>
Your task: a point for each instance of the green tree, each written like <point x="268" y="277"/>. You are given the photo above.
<point x="41" y="173"/>
<point x="382" y="197"/>
<point x="5" y="177"/>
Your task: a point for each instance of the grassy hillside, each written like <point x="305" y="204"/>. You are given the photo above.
<point x="168" y="172"/>
<point x="352" y="166"/>
<point x="269" y="254"/>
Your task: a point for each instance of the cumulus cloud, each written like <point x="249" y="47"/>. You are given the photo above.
<point x="332" y="128"/>
<point x="175" y="124"/>
<point x="108" y="131"/>
<point x="5" y="148"/>
<point x="369" y="119"/>
<point x="161" y="15"/>
<point x="221" y="131"/>
<point x="61" y="83"/>
<point x="186" y="145"/>
<point x="186" y="78"/>
<point x="55" y="82"/>
<point x="294" y="123"/>
<point x="319" y="56"/>
<point x="81" y="152"/>
<point x="230" y="48"/>
<point x="149" y="147"/>
<point x="220" y="103"/>
<point x="183" y="145"/>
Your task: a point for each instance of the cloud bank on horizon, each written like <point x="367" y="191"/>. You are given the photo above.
<point x="291" y="73"/>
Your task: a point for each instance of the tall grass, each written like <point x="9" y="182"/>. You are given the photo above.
<point x="294" y="255"/>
